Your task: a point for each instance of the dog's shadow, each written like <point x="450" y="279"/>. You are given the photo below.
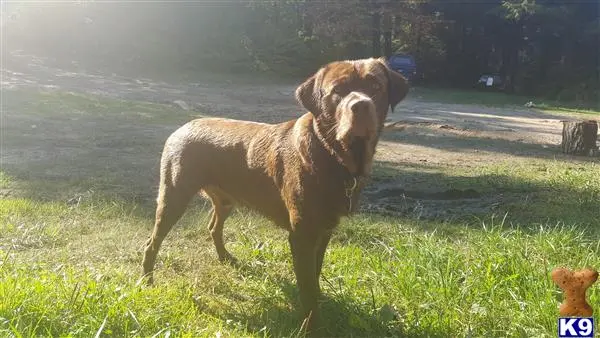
<point x="341" y="316"/>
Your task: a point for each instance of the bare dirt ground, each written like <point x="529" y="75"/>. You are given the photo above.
<point x="420" y="135"/>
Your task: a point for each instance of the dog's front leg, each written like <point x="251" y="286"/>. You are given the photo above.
<point x="321" y="248"/>
<point x="304" y="247"/>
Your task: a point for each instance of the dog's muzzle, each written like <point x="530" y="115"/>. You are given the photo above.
<point x="358" y="118"/>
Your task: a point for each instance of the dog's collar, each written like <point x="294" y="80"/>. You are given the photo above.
<point x="352" y="181"/>
<point x="321" y="138"/>
<point x="350" y="190"/>
<point x="351" y="186"/>
<point x="333" y="148"/>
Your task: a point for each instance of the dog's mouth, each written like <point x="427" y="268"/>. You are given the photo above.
<point x="358" y="151"/>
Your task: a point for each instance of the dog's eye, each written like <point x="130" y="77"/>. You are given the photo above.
<point x="336" y="94"/>
<point x="335" y="97"/>
<point x="336" y="91"/>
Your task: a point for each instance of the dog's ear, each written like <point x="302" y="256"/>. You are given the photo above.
<point x="397" y="85"/>
<point x="307" y="95"/>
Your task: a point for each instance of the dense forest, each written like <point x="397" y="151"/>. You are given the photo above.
<point x="544" y="48"/>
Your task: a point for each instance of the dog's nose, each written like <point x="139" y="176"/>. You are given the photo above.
<point x="361" y="106"/>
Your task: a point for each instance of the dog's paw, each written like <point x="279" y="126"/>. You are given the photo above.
<point x="227" y="258"/>
<point x="145" y="280"/>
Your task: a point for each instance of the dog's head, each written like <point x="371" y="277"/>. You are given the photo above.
<point x="350" y="101"/>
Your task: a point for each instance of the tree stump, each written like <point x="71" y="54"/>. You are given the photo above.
<point x="579" y="137"/>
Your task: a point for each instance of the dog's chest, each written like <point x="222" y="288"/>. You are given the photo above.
<point x="326" y="199"/>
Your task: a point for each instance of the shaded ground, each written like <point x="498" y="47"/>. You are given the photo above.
<point x="423" y="141"/>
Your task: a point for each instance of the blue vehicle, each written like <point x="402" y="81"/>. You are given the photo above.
<point x="404" y="64"/>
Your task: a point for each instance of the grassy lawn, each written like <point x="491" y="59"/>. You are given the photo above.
<point x="76" y="206"/>
<point x="498" y="99"/>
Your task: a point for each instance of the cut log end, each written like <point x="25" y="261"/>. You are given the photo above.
<point x="580" y="137"/>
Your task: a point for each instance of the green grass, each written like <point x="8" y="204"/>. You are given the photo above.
<point x="88" y="144"/>
<point x="534" y="191"/>
<point x="499" y="99"/>
<point x="74" y="106"/>
<point x="71" y="267"/>
<point x="65" y="270"/>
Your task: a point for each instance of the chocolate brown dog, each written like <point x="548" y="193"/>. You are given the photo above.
<point x="303" y="174"/>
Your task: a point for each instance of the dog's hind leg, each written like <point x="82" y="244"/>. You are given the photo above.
<point x="171" y="204"/>
<point x="222" y="207"/>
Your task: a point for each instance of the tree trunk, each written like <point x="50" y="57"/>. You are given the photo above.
<point x="515" y="47"/>
<point x="387" y="35"/>
<point x="418" y="42"/>
<point x="396" y="28"/>
<point x="307" y="23"/>
<point x="387" y="44"/>
<point x="579" y="137"/>
<point x="376" y="28"/>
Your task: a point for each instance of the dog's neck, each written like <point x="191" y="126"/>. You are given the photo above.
<point x="354" y="176"/>
<point x="355" y="171"/>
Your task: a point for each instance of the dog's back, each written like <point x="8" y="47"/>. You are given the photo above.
<point x="239" y="158"/>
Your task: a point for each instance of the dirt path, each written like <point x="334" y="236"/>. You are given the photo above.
<point x="418" y="133"/>
<point x="223" y="98"/>
<point x="275" y="102"/>
<point x="272" y="102"/>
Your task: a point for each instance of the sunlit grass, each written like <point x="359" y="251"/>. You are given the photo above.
<point x="67" y="270"/>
